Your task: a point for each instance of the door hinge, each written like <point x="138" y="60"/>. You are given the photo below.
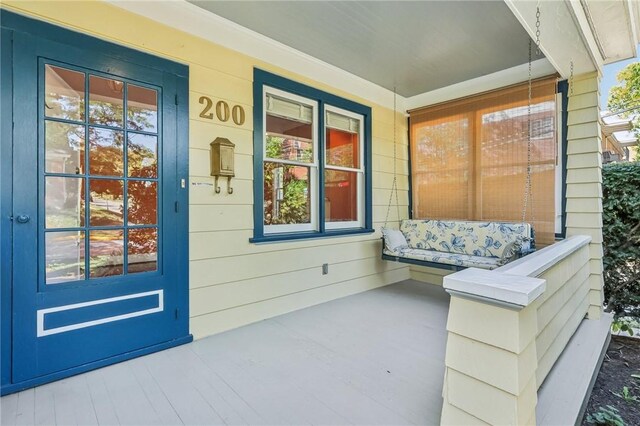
<point x="176" y="313"/>
<point x="176" y="99"/>
<point x="176" y="206"/>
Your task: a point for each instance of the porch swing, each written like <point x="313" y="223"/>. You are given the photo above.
<point x="457" y="245"/>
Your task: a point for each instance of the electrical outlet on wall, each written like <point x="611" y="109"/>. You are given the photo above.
<point x="325" y="268"/>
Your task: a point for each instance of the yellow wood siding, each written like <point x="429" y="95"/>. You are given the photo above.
<point x="234" y="282"/>
<point x="584" y="179"/>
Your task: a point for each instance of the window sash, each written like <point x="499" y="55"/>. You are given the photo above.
<point x="282" y="96"/>
<point x="355" y="124"/>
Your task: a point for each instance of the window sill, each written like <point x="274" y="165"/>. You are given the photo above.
<point x="275" y="238"/>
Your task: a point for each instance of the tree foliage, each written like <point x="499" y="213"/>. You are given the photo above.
<point x="627" y="95"/>
<point x="621" y="230"/>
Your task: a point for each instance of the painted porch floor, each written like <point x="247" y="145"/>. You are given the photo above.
<point x="372" y="358"/>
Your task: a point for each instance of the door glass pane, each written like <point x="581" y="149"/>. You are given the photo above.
<point x="289" y="139"/>
<point x="142" y="109"/>
<point x="64" y="202"/>
<point x="106" y="207"/>
<point x="106" y="253"/>
<point x="287" y="197"/>
<point x="64" y="93"/>
<point x="106" y="152"/>
<point x="142" y="250"/>
<point x="342" y="149"/>
<point x="64" y="148"/>
<point x="64" y="256"/>
<point x="142" y="208"/>
<point x="142" y="152"/>
<point x="106" y="101"/>
<point x="341" y="196"/>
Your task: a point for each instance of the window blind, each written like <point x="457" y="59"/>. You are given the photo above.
<point x="469" y="157"/>
<point x="289" y="109"/>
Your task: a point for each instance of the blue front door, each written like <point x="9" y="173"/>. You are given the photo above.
<point x="98" y="208"/>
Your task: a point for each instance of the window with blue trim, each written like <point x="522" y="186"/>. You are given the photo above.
<point x="312" y="162"/>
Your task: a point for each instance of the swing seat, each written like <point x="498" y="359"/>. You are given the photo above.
<point x="457" y="244"/>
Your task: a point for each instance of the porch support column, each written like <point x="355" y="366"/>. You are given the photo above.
<point x="491" y="360"/>
<point x="584" y="178"/>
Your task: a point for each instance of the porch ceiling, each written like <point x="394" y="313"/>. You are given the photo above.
<point x="415" y="46"/>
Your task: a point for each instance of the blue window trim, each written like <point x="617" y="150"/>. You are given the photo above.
<point x="263" y="78"/>
<point x="563" y="89"/>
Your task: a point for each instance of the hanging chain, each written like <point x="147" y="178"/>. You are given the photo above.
<point x="394" y="185"/>
<point x="571" y="80"/>
<point x="528" y="191"/>
<point x="538" y="30"/>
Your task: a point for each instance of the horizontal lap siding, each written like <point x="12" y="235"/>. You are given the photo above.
<point x="584" y="179"/>
<point x="234" y="282"/>
<point x="561" y="308"/>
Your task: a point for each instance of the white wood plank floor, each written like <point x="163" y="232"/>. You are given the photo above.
<point x="371" y="358"/>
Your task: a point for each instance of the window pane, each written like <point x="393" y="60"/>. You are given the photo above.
<point x="64" y="93"/>
<point x="341" y="196"/>
<point x="106" y="249"/>
<point x="143" y="250"/>
<point x="64" y="146"/>
<point x="442" y="154"/>
<point x="106" y="105"/>
<point x="142" y="109"/>
<point x="343" y="149"/>
<point x="105" y="152"/>
<point x="64" y="256"/>
<point x="142" y="155"/>
<point x="287" y="198"/>
<point x="142" y="202"/>
<point x="106" y="202"/>
<point x="64" y="202"/>
<point x="289" y="139"/>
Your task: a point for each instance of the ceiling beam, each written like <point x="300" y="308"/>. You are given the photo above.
<point x="563" y="36"/>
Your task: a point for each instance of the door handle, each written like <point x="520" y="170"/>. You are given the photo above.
<point x="23" y="218"/>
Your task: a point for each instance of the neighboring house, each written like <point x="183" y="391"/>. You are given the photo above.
<point x="619" y="143"/>
<point x="141" y="253"/>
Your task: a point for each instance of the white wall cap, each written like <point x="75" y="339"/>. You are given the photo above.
<point x="495" y="286"/>
<point x="538" y="262"/>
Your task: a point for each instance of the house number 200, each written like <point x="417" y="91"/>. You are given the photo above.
<point x="223" y="113"/>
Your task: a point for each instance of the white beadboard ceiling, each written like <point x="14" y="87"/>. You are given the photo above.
<point x="416" y="46"/>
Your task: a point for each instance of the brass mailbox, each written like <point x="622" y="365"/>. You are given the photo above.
<point x="222" y="156"/>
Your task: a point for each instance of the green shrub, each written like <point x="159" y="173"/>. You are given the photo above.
<point x="621" y="233"/>
<point x="606" y="416"/>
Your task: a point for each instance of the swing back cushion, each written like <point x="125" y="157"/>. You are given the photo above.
<point x="485" y="245"/>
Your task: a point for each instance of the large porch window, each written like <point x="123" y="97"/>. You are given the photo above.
<point x="469" y="158"/>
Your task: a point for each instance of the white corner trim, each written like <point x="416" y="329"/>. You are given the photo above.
<point x="493" y="286"/>
<point x="538" y="262"/>
<point x="187" y="17"/>
<point x="518" y="74"/>
<point x="41" y="313"/>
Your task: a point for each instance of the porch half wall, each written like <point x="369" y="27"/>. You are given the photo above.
<point x="232" y="281"/>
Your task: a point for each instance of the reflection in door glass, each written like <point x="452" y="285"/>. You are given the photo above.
<point x="64" y="93"/>
<point x="64" y="256"/>
<point x="64" y="148"/>
<point x="142" y="109"/>
<point x="106" y="101"/>
<point x="142" y="205"/>
<point x="106" y="253"/>
<point x="106" y="152"/>
<point x="64" y="202"/>
<point x="106" y="203"/>
<point x="142" y="155"/>
<point x="142" y="250"/>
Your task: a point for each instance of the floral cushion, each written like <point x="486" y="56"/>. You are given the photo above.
<point x="447" y="258"/>
<point x="500" y="240"/>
